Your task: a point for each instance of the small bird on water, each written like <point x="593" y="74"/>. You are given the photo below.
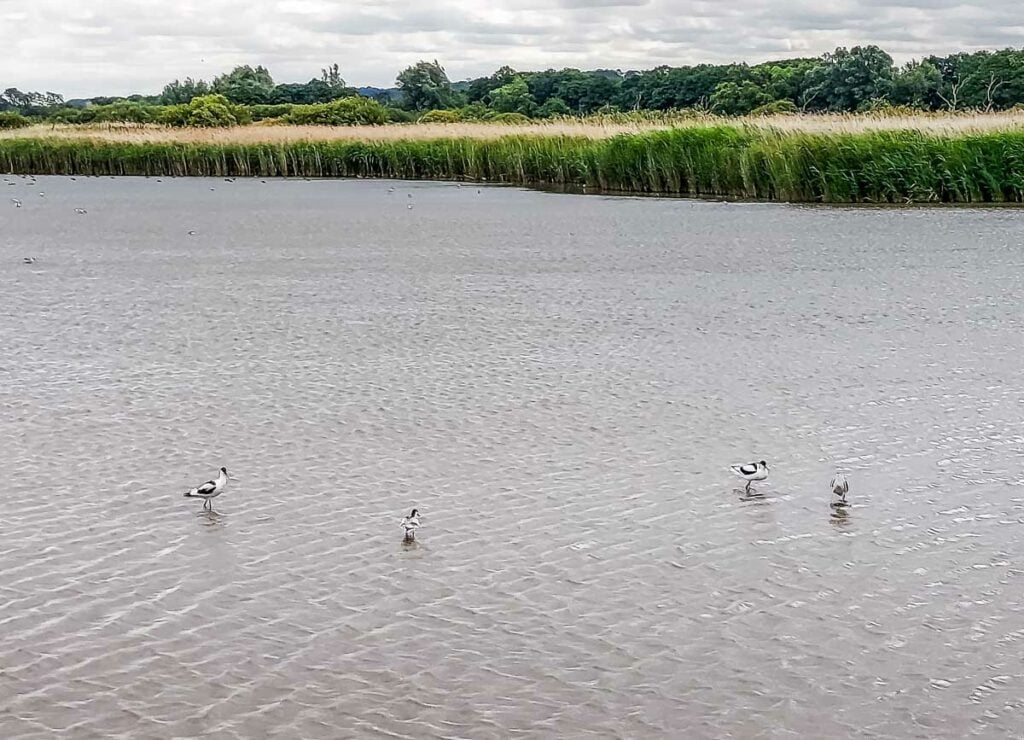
<point x="410" y="524"/>
<point x="211" y="489"/>
<point x="751" y="472"/>
<point x="840" y="487"/>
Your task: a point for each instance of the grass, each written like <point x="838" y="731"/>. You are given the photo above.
<point x="845" y="159"/>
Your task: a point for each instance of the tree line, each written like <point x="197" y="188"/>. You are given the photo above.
<point x="862" y="78"/>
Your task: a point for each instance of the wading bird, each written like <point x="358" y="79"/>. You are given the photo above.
<point x="751" y="472"/>
<point x="410" y="524"/>
<point x="209" y="490"/>
<point x="840" y="487"/>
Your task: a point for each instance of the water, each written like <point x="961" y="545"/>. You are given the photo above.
<point x="559" y="383"/>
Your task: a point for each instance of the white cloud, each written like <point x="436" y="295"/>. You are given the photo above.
<point x="93" y="47"/>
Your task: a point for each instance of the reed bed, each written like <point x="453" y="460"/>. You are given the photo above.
<point x="590" y="127"/>
<point x="771" y="163"/>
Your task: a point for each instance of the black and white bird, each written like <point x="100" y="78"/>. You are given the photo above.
<point x="751" y="472"/>
<point x="29" y="260"/>
<point x="840" y="487"/>
<point x="211" y="489"/>
<point x="16" y="202"/>
<point x="410" y="524"/>
<point x="80" y="211"/>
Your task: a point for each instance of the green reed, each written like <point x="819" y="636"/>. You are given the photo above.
<point x="727" y="161"/>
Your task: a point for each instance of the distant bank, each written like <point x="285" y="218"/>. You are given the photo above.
<point x="901" y="166"/>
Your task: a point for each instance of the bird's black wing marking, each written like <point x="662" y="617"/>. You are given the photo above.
<point x="207" y="487"/>
<point x="748" y="469"/>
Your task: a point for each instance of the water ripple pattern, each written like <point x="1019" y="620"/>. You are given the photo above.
<point x="559" y="383"/>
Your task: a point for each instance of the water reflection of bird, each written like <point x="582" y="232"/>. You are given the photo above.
<point x="751" y="472"/>
<point x="840" y="487"/>
<point x="410" y="524"/>
<point x="210" y="489"/>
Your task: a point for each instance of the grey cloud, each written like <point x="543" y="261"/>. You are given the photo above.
<point x="123" y="46"/>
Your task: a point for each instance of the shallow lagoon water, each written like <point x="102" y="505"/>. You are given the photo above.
<point x="559" y="384"/>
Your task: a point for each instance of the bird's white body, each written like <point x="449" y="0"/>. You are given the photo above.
<point x="840" y="487"/>
<point x="211" y="489"/>
<point x="410" y="524"/>
<point x="751" y="472"/>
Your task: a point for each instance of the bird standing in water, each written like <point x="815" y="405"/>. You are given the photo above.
<point x="840" y="487"/>
<point x="751" y="472"/>
<point x="211" y="489"/>
<point x="410" y="524"/>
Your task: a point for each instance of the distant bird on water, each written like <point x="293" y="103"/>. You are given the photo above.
<point x="80" y="211"/>
<point x="211" y="489"/>
<point x="29" y="260"/>
<point x="840" y="487"/>
<point x="751" y="472"/>
<point x="410" y="524"/>
<point x="16" y="202"/>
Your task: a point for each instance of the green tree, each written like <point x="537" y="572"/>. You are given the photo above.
<point x="183" y="91"/>
<point x="481" y="87"/>
<point x="848" y="79"/>
<point x="553" y="107"/>
<point x="314" y="91"/>
<point x="245" y="85"/>
<point x="331" y="76"/>
<point x="738" y="99"/>
<point x="513" y="97"/>
<point x="917" y="84"/>
<point x="425" y="86"/>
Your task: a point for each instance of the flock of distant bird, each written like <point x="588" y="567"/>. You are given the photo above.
<point x="750" y="472"/>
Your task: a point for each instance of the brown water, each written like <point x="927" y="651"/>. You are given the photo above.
<point x="559" y="383"/>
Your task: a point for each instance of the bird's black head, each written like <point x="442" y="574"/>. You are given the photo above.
<point x="415" y="512"/>
<point x="224" y="470"/>
<point x="764" y="464"/>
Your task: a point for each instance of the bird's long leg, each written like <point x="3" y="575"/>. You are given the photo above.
<point x="747" y="489"/>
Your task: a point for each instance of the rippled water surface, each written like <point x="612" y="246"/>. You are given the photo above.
<point x="559" y="383"/>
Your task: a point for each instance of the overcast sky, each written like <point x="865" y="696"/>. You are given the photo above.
<point x="93" y="47"/>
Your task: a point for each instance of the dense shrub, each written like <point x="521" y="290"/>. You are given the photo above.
<point x="344" y="112"/>
<point x="397" y="115"/>
<point x="476" y="112"/>
<point x="263" y="112"/>
<point x="553" y="107"/>
<point x="206" y="111"/>
<point x="10" y="119"/>
<point x="440" y="116"/>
